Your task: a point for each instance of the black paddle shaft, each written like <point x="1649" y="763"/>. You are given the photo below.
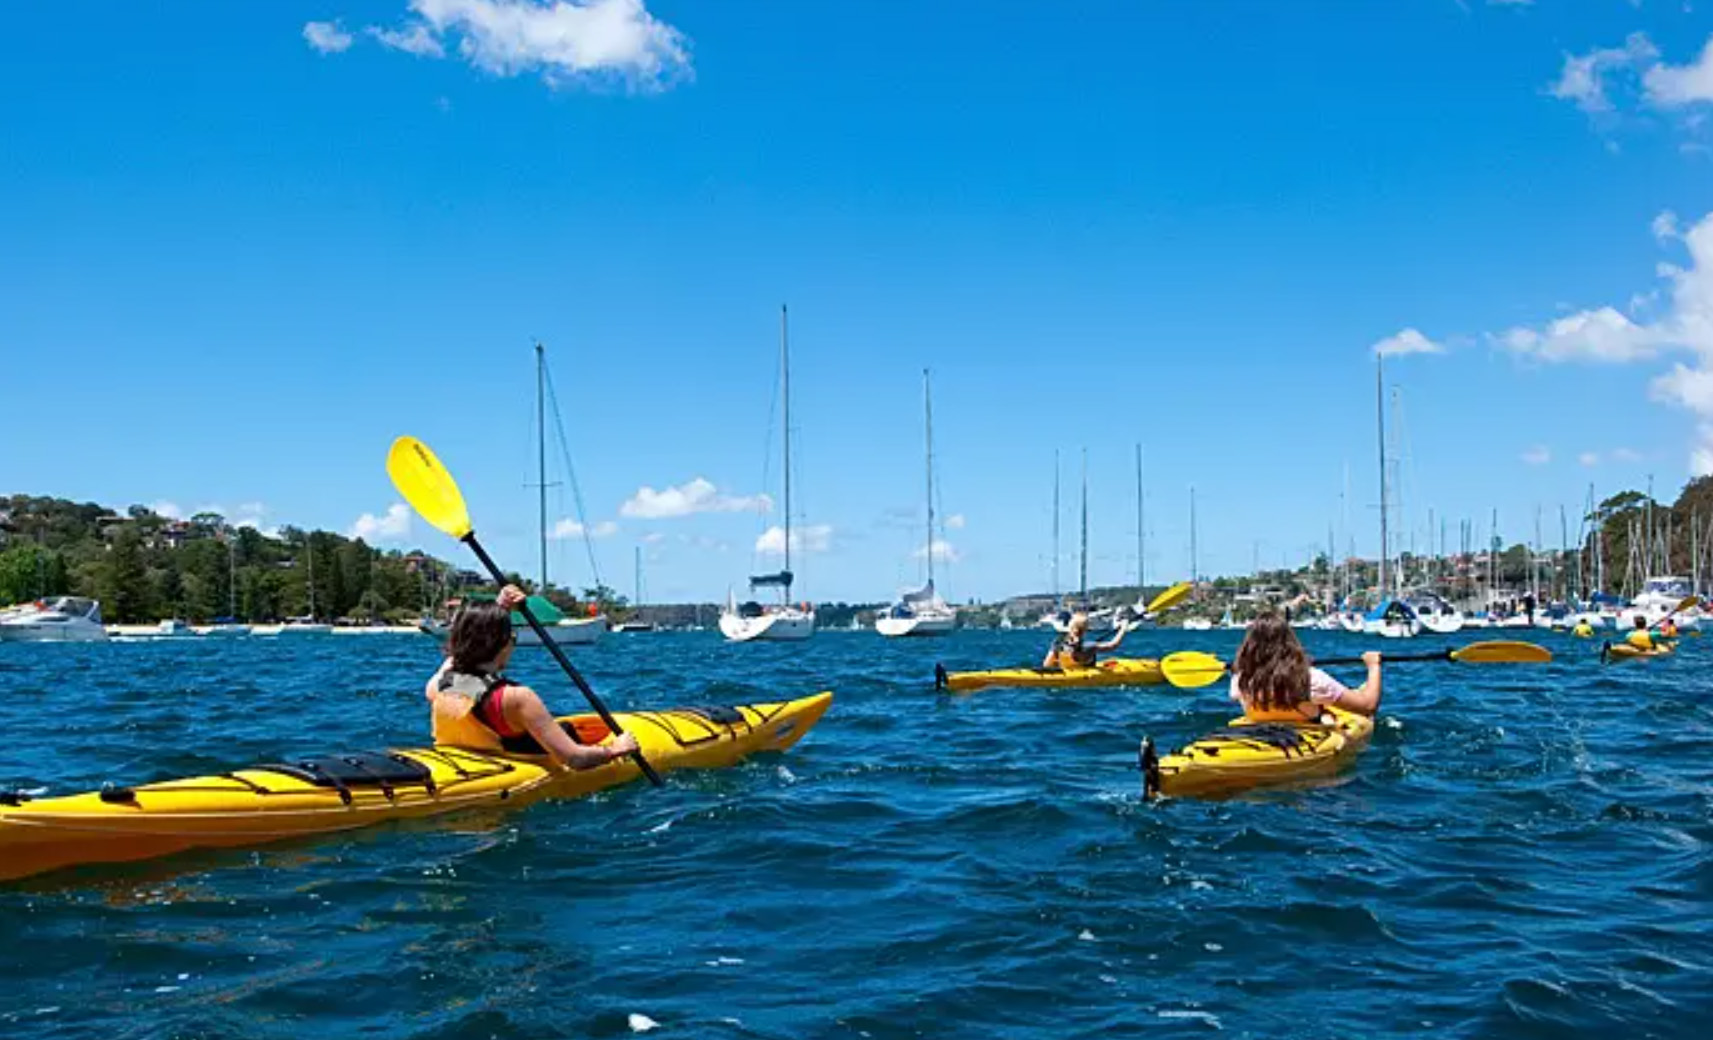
<point x="564" y="662"/>
<point x="1437" y="655"/>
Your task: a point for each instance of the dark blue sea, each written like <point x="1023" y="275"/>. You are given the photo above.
<point x="1524" y="851"/>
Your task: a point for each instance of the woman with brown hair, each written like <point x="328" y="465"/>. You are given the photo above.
<point x="474" y="705"/>
<point x="1273" y="680"/>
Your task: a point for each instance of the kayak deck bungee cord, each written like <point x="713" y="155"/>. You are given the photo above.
<point x="336" y="793"/>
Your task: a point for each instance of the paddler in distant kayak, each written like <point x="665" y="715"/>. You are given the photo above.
<point x="1070" y="650"/>
<point x="475" y="706"/>
<point x="1583" y="629"/>
<point x="1640" y="637"/>
<point x="1273" y="680"/>
<point x="1667" y="628"/>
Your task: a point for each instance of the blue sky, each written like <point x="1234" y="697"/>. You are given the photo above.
<point x="247" y="245"/>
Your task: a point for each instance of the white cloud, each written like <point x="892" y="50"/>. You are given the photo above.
<point x="1583" y="78"/>
<point x="1589" y="458"/>
<point x="943" y="551"/>
<point x="414" y="38"/>
<point x="1626" y="455"/>
<point x="395" y="524"/>
<point x="1673" y="86"/>
<point x="652" y="538"/>
<point x="1665" y="226"/>
<point x="326" y="37"/>
<point x="1537" y="456"/>
<point x="697" y="496"/>
<point x="815" y="538"/>
<point x="1409" y="341"/>
<point x="170" y="510"/>
<point x="1597" y="335"/>
<point x="569" y="528"/>
<point x="565" y="42"/>
<point x="955" y="522"/>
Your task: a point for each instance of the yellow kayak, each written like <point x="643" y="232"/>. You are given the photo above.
<point x="344" y="792"/>
<point x="1116" y="672"/>
<point x="1626" y="652"/>
<point x="1253" y="754"/>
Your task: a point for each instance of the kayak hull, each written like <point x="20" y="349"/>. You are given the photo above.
<point x="1626" y="652"/>
<point x="1116" y="672"/>
<point x="264" y="804"/>
<point x="1248" y="755"/>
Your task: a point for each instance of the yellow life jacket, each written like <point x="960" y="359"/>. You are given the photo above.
<point x="1640" y="639"/>
<point x="1295" y="713"/>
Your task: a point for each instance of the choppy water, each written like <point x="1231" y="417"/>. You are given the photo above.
<point x="1522" y="852"/>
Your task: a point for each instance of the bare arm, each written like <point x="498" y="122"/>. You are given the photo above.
<point x="1365" y="699"/>
<point x="1112" y="644"/>
<point x="524" y="709"/>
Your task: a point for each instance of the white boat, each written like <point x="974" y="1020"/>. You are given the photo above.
<point x="225" y="630"/>
<point x="63" y="619"/>
<point x="1197" y="624"/>
<point x="304" y="626"/>
<point x="922" y="612"/>
<point x="1659" y="597"/>
<point x="785" y="621"/>
<point x="1392" y="619"/>
<point x="565" y="631"/>
<point x="633" y="626"/>
<point x="1434" y="613"/>
<point x="174" y="628"/>
<point x="1350" y="621"/>
<point x="1477" y="621"/>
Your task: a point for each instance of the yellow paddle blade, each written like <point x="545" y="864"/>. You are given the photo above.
<point x="426" y="485"/>
<point x="1191" y="669"/>
<point x="1502" y="651"/>
<point x="1171" y="597"/>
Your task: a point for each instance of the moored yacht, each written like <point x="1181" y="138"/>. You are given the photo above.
<point x="63" y="619"/>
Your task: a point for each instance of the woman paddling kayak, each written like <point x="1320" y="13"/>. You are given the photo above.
<point x="475" y="706"/>
<point x="1273" y="680"/>
<point x="1069" y="650"/>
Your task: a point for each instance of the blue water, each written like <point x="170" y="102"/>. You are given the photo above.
<point x="1524" y="851"/>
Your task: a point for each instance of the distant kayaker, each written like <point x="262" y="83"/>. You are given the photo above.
<point x="1583" y="629"/>
<point x="1070" y="651"/>
<point x="1667" y="628"/>
<point x="1273" y="680"/>
<point x="474" y="705"/>
<point x="1639" y="636"/>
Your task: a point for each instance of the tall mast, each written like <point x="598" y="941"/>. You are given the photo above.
<point x="638" y="601"/>
<point x="1055" y="524"/>
<point x="1082" y="580"/>
<point x="232" y="576"/>
<point x="785" y="408"/>
<point x="309" y="544"/>
<point x="928" y="424"/>
<point x="541" y="453"/>
<point x="1380" y="408"/>
<point x="1141" y="528"/>
<point x="1195" y="573"/>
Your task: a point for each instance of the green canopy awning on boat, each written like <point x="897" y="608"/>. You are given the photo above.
<point x="543" y="609"/>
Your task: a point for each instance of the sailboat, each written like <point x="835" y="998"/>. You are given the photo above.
<point x="922" y="612"/>
<point x="749" y="621"/>
<point x="567" y="631"/>
<point x="229" y="625"/>
<point x="1391" y="617"/>
<point x="636" y="624"/>
<point x="307" y="625"/>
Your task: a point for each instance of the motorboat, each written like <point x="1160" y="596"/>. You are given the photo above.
<point x="566" y="631"/>
<point x="174" y="628"/>
<point x="1434" y="613"/>
<point x="1198" y="624"/>
<point x="1659" y="597"/>
<point x="305" y="626"/>
<point x="62" y="619"/>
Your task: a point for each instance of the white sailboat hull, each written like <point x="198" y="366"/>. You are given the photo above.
<point x="65" y="630"/>
<point x="567" y="632"/>
<point x="920" y="625"/>
<point x="778" y="627"/>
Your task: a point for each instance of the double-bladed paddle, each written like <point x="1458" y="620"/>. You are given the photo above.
<point x="1191" y="669"/>
<point x="432" y="492"/>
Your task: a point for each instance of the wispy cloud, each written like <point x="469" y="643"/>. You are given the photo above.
<point x="1583" y="79"/>
<point x="1673" y="86"/>
<point x="955" y="522"/>
<point x="565" y="42"/>
<point x="1537" y="456"/>
<point x="1589" y="458"/>
<point x="390" y="526"/>
<point x="697" y="496"/>
<point x="1681" y="322"/>
<point x="569" y="528"/>
<point x="1409" y="341"/>
<point x="815" y="538"/>
<point x="326" y="37"/>
<point x="942" y="551"/>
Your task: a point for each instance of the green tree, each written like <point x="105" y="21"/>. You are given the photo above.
<point x="124" y="593"/>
